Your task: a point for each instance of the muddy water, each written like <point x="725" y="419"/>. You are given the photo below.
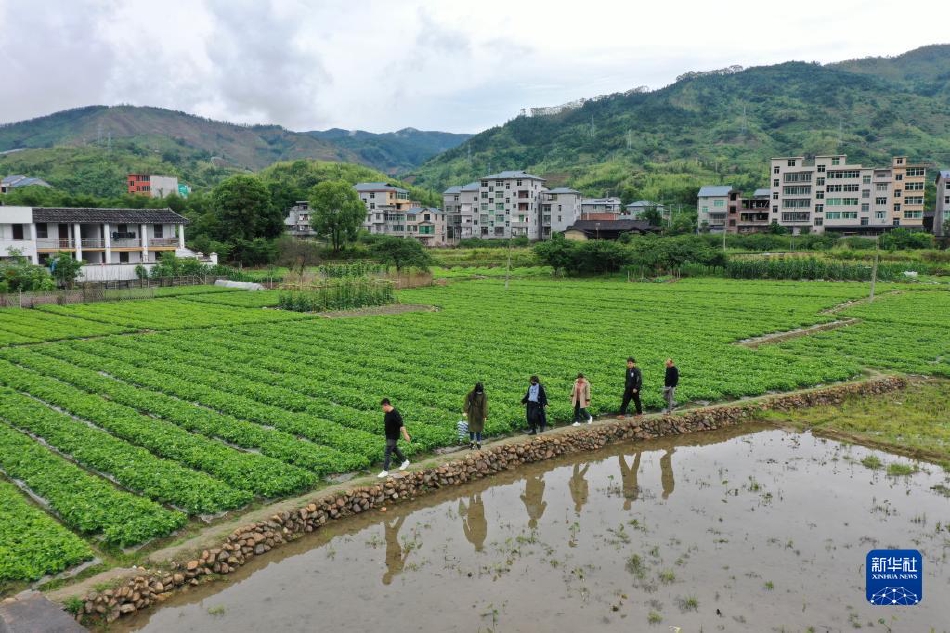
<point x="747" y="530"/>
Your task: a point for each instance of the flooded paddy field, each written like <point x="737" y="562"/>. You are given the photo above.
<point x="749" y="529"/>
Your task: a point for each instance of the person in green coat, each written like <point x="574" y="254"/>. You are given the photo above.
<point x="476" y="410"/>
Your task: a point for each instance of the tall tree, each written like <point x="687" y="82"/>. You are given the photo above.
<point x="401" y="253"/>
<point x="243" y="211"/>
<point x="336" y="212"/>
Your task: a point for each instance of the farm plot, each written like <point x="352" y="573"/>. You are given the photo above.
<point x="168" y="314"/>
<point x="225" y="402"/>
<point x="240" y="298"/>
<point x="30" y="326"/>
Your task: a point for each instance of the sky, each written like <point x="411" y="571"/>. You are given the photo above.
<point x="429" y="64"/>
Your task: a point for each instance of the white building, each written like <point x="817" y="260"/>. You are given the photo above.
<point x="155" y="186"/>
<point x="297" y="222"/>
<point x="112" y="238"/>
<point x="942" y="208"/>
<point x="826" y="193"/>
<point x="508" y="205"/>
<point x="383" y="201"/>
<point x="460" y="204"/>
<point x="560" y="208"/>
<point x="601" y="205"/>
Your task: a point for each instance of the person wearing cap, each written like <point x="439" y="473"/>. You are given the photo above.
<point x="633" y="383"/>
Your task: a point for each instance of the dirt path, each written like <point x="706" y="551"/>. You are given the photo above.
<point x="777" y="337"/>
<point x="395" y="308"/>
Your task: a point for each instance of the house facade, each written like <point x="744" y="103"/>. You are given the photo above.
<point x="9" y="183"/>
<point x="460" y="204"/>
<point x="601" y="206"/>
<point x="712" y="206"/>
<point x="508" y="205"/>
<point x="826" y="193"/>
<point x="107" y="237"/>
<point x="153" y="186"/>
<point x="560" y="208"/>
<point x="942" y="207"/>
<point x="297" y="222"/>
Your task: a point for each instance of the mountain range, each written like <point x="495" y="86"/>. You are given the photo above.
<point x="717" y="127"/>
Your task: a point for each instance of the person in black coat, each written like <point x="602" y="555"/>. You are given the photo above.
<point x="633" y="383"/>
<point x="536" y="400"/>
<point x="669" y="384"/>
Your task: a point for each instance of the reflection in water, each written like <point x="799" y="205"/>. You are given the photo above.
<point x="628" y="478"/>
<point x="533" y="499"/>
<point x="579" y="488"/>
<point x="666" y="472"/>
<point x="475" y="526"/>
<point x="395" y="559"/>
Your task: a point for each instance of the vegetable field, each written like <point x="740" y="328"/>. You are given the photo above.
<point x="124" y="420"/>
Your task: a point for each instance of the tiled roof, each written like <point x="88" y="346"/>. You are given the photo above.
<point x="644" y="204"/>
<point x="710" y="191"/>
<point x="18" y="180"/>
<point x="563" y="190"/>
<point x="611" y="225"/>
<point x="451" y="190"/>
<point x="472" y="186"/>
<point x="113" y="216"/>
<point x="503" y="175"/>
<point x="377" y="186"/>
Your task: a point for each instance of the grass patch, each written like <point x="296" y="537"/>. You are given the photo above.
<point x="654" y="618"/>
<point x="688" y="603"/>
<point x="635" y="566"/>
<point x="872" y="462"/>
<point x="900" y="470"/>
<point x="667" y="577"/>
<point x="914" y="420"/>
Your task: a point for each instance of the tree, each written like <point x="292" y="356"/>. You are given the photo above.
<point x="336" y="212"/>
<point x="296" y="253"/>
<point x="65" y="269"/>
<point x="18" y="274"/>
<point x="401" y="253"/>
<point x="653" y="216"/>
<point x="242" y="210"/>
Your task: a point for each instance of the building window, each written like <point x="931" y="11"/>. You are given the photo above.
<point x="819" y="181"/>
<point x="865" y="193"/>
<point x="775" y="169"/>
<point x="791" y="162"/>
<point x="821" y="169"/>
<point x="899" y="177"/>
<point x="819" y="208"/>
<point x="124" y="257"/>
<point x="819" y="195"/>
<point x="775" y="182"/>
<point x="897" y="193"/>
<point x="915" y="171"/>
<point x="41" y="231"/>
<point x="866" y="179"/>
<point x="819" y="221"/>
<point x="774" y="195"/>
<point x="900" y="161"/>
<point x="897" y="207"/>
<point x="835" y="161"/>
<point x="864" y="222"/>
<point x="880" y="200"/>
<point x="17" y="231"/>
<point x="880" y="215"/>
<point x="719" y="203"/>
<point x="865" y="207"/>
<point x="158" y="231"/>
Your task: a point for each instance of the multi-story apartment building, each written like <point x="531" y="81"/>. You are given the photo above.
<point x="508" y="204"/>
<point x="712" y="206"/>
<point x="942" y="208"/>
<point x="601" y="206"/>
<point x="382" y="199"/>
<point x="155" y="186"/>
<point x="94" y="236"/>
<point x="297" y="222"/>
<point x="560" y="208"/>
<point x="827" y="193"/>
<point x="753" y="213"/>
<point x="460" y="204"/>
<point x="635" y="210"/>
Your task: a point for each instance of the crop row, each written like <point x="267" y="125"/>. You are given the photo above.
<point x="240" y="299"/>
<point x="270" y="442"/>
<point x="97" y="357"/>
<point x="168" y="314"/>
<point x="130" y="466"/>
<point x="246" y="471"/>
<point x="84" y="502"/>
<point x="25" y="326"/>
<point x="33" y="544"/>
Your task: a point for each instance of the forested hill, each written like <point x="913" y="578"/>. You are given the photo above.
<point x="392" y="152"/>
<point x="90" y="150"/>
<point x="721" y="127"/>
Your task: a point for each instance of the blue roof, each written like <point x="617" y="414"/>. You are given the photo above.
<point x="644" y="204"/>
<point x="512" y="174"/>
<point x="945" y="174"/>
<point x="454" y="189"/>
<point x="762" y="193"/>
<point x="19" y="180"/>
<point x="472" y="186"/>
<point x="563" y="190"/>
<point x="713" y="191"/>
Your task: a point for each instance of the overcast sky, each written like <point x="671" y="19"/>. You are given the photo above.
<point x="436" y="65"/>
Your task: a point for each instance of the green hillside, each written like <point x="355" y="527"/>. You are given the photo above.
<point x="393" y="152"/>
<point x="720" y="127"/>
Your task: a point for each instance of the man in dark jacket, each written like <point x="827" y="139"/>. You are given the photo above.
<point x="536" y="400"/>
<point x="633" y="383"/>
<point x="669" y="384"/>
<point x="394" y="426"/>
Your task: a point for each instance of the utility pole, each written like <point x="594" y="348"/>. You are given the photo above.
<point x="874" y="270"/>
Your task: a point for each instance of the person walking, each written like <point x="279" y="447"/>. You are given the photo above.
<point x="669" y="384"/>
<point x="476" y="410"/>
<point x="536" y="400"/>
<point x="392" y="420"/>
<point x="580" y="399"/>
<point x="633" y="383"/>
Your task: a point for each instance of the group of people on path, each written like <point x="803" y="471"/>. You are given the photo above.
<point x="535" y="401"/>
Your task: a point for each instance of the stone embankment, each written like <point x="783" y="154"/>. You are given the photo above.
<point x="259" y="538"/>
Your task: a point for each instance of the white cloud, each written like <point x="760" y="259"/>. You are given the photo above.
<point x="378" y="65"/>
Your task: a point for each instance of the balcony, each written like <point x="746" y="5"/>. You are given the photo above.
<point x="53" y="244"/>
<point x="163" y="242"/>
<point x="92" y="243"/>
<point x="126" y="242"/>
